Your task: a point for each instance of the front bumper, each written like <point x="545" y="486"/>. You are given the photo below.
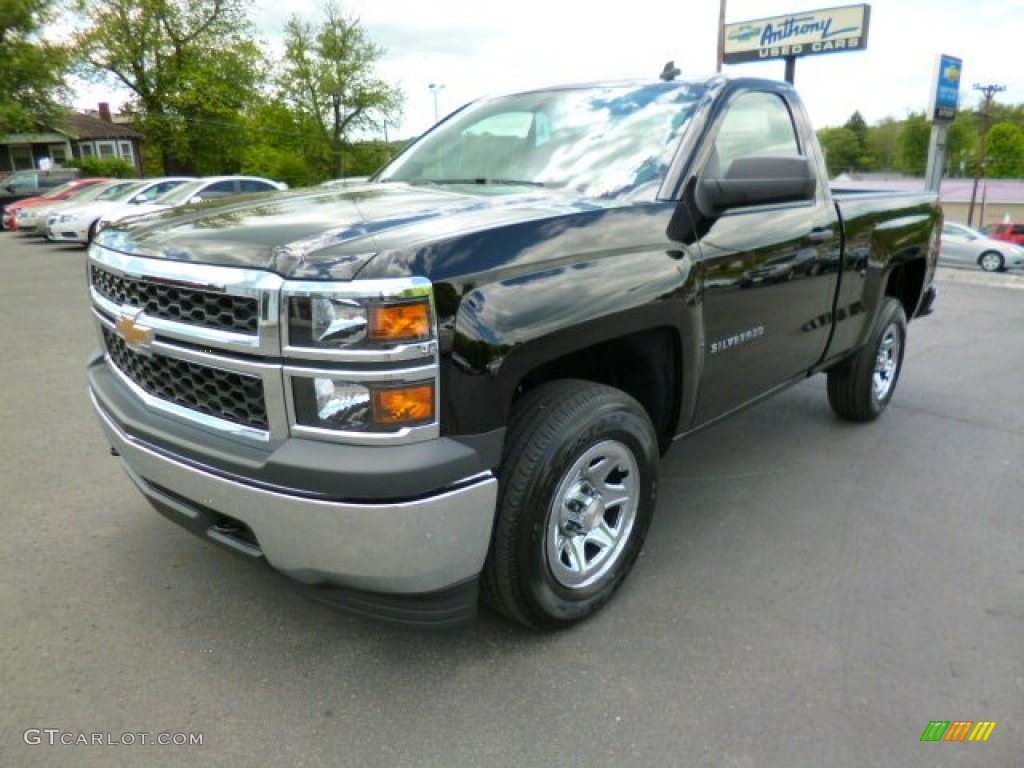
<point x="65" y="233"/>
<point x="414" y="560"/>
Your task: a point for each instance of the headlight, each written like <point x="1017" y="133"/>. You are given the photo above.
<point x="337" y="404"/>
<point x="334" y="322"/>
<point x="361" y="359"/>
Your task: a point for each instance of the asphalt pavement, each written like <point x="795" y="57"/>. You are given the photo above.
<point x="813" y="593"/>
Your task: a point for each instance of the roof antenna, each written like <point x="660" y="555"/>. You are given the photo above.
<point x="670" y="72"/>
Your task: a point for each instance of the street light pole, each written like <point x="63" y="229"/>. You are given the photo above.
<point x="435" y="88"/>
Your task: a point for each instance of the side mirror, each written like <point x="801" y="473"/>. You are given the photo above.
<point x="140" y="198"/>
<point x="195" y="199"/>
<point x="757" y="180"/>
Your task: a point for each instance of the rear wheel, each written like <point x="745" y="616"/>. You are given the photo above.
<point x="578" y="487"/>
<point x="860" y="388"/>
<point x="991" y="261"/>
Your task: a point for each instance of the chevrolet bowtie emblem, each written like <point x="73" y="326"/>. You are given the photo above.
<point x="138" y="337"/>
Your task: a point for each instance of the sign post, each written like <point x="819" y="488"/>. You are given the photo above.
<point x="945" y="95"/>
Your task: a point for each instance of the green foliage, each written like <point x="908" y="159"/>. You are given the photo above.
<point x="961" y="144"/>
<point x="1005" y="155"/>
<point x="882" y="144"/>
<point x="858" y="126"/>
<point x="914" y="138"/>
<point x="192" y="66"/>
<point x="1007" y="113"/>
<point x="841" y="147"/>
<point x="367" y="157"/>
<point x="328" y="78"/>
<point x="286" y="165"/>
<point x="31" y="69"/>
<point x="113" y="167"/>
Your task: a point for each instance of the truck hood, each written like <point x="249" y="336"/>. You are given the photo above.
<point x="331" y="234"/>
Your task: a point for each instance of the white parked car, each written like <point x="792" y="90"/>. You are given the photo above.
<point x="200" y="191"/>
<point x="32" y="221"/>
<point x="77" y="224"/>
<point x="963" y="245"/>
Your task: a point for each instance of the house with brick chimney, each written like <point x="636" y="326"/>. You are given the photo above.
<point x="76" y="135"/>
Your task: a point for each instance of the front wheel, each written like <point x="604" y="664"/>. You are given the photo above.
<point x="578" y="487"/>
<point x="860" y="388"/>
<point x="990" y="261"/>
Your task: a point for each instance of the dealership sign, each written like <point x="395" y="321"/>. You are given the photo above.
<point x="800" y="34"/>
<point x="946" y="92"/>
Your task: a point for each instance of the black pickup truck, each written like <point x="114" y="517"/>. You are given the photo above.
<point x="456" y="379"/>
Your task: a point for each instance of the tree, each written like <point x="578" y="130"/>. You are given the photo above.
<point x="841" y="147"/>
<point x="1005" y="155"/>
<point x="882" y="144"/>
<point x="961" y="143"/>
<point x="192" y="67"/>
<point x="281" y="145"/>
<point x="857" y="124"/>
<point x="328" y="78"/>
<point x="914" y="139"/>
<point x="31" y="70"/>
<point x="859" y="127"/>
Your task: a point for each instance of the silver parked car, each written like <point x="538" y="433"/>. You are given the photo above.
<point x="963" y="245"/>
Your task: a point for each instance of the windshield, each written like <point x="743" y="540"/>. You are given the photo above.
<point x="606" y="141"/>
<point x="118" y="190"/>
<point x="182" y="194"/>
<point x="91" y="192"/>
<point x="58" y="191"/>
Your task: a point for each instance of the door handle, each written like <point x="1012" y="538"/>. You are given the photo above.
<point x="820" y="235"/>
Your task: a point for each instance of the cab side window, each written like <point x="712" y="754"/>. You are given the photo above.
<point x="757" y="123"/>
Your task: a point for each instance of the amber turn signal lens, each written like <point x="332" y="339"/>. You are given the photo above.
<point x="401" y="322"/>
<point x="400" y="406"/>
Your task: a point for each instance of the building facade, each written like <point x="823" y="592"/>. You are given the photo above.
<point x="73" y="137"/>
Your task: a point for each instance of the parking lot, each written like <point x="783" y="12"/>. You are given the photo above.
<point x="813" y="593"/>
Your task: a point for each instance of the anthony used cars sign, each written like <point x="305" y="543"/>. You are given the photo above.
<point x="800" y="34"/>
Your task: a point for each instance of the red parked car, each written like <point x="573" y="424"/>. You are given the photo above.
<point x="1007" y="232"/>
<point x="63" y="192"/>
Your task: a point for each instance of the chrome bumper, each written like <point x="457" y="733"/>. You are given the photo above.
<point x="399" y="548"/>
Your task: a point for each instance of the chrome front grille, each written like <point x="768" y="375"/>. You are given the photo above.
<point x="210" y="345"/>
<point x="234" y="397"/>
<point x="209" y="309"/>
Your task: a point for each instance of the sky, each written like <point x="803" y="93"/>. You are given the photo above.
<point x="472" y="48"/>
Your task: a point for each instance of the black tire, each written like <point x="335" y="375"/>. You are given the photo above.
<point x="559" y="550"/>
<point x="91" y="234"/>
<point x="991" y="261"/>
<point x="860" y="388"/>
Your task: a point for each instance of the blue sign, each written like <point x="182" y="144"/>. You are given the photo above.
<point x="947" y="88"/>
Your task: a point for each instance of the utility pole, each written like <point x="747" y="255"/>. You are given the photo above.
<point x="990" y="92"/>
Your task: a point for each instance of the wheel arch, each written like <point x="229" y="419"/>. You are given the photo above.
<point x="906" y="283"/>
<point x="647" y="365"/>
